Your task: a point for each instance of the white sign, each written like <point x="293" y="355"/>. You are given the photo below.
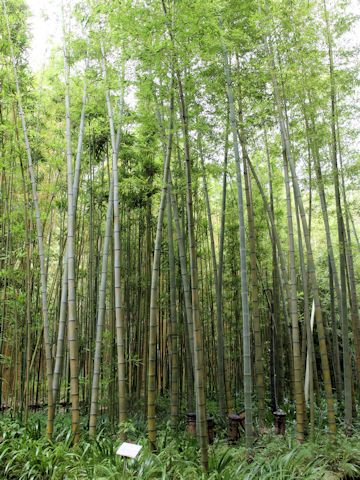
<point x="129" y="450"/>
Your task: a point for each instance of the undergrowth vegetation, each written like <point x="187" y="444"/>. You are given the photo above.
<point x="25" y="454"/>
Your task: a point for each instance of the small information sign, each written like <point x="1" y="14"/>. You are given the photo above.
<point x="129" y="450"/>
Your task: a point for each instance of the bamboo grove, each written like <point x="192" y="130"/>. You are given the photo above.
<point x="179" y="214"/>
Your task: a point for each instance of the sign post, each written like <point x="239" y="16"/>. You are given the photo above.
<point x="129" y="450"/>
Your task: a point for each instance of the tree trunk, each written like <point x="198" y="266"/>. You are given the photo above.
<point x="72" y="317"/>
<point x="173" y="323"/>
<point x="220" y="371"/>
<point x="154" y="300"/>
<point x="119" y="307"/>
<point x="244" y="285"/>
<point x="39" y="229"/>
<point x="311" y="263"/>
<point x="259" y="367"/>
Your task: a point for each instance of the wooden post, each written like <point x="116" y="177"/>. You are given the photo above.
<point x="280" y="422"/>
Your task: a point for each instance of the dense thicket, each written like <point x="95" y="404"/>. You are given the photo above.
<point x="179" y="213"/>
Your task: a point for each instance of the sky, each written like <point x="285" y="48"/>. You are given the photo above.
<point x="45" y="26"/>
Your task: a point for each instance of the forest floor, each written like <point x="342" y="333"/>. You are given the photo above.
<point x="26" y="454"/>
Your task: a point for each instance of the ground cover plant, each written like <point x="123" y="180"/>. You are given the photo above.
<point x="26" y="454"/>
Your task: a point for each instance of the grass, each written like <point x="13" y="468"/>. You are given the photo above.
<point x="25" y="454"/>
